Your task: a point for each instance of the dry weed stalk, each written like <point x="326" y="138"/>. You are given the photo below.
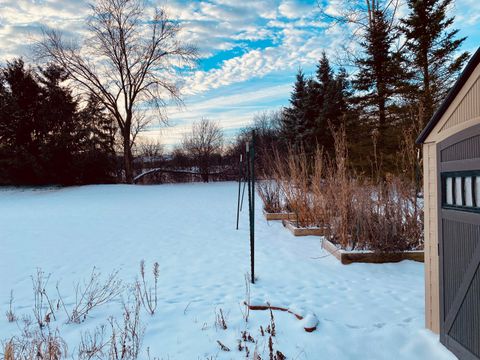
<point x="93" y="293"/>
<point x="10" y="314"/>
<point x="35" y="344"/>
<point x="246" y="313"/>
<point x="270" y="193"/>
<point x="220" y="321"/>
<point x="339" y="192"/>
<point x="43" y="308"/>
<point x="222" y="346"/>
<point x="293" y="176"/>
<point x="147" y="295"/>
<point x="318" y="189"/>
<point x="126" y="338"/>
<point x="93" y="346"/>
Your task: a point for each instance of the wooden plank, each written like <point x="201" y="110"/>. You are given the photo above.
<point x="297" y="231"/>
<point x="348" y="257"/>
<point x="279" y="216"/>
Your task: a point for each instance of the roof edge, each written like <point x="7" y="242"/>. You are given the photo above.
<point x="462" y="79"/>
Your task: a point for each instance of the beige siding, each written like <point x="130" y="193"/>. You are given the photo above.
<point x="468" y="108"/>
<point x="432" y="298"/>
<point x="462" y="113"/>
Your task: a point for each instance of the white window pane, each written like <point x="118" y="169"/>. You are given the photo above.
<point x="477" y="190"/>
<point x="449" y="191"/>
<point x="458" y="191"/>
<point x="468" y="191"/>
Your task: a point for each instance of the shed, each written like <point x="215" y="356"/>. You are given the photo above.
<point x="451" y="165"/>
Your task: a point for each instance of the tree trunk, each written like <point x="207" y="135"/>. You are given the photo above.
<point x="127" y="159"/>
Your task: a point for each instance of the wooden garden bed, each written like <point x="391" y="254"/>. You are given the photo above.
<point x="299" y="231"/>
<point x="279" y="216"/>
<point x="348" y="257"/>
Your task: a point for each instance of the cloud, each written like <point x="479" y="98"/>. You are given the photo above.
<point x="249" y="49"/>
<point x="293" y="9"/>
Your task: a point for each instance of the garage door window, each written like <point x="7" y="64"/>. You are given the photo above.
<point x="461" y="191"/>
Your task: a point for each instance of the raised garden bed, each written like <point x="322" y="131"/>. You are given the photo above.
<point x="300" y="231"/>
<point x="348" y="257"/>
<point x="279" y="216"/>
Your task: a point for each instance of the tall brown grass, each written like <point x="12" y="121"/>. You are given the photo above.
<point x="381" y="213"/>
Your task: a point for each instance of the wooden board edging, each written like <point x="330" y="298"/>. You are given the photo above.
<point x="348" y="257"/>
<point x="279" y="216"/>
<point x="296" y="231"/>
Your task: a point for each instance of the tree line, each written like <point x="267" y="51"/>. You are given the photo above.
<point x="48" y="136"/>
<point x="64" y="123"/>
<point x="402" y="72"/>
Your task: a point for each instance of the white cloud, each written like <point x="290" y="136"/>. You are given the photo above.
<point x="293" y="9"/>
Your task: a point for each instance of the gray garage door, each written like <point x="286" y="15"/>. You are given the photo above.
<point x="459" y="242"/>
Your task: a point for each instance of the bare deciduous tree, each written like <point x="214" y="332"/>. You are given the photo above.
<point x="205" y="139"/>
<point x="129" y="61"/>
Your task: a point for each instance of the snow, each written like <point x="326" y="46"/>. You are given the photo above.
<point x="364" y="311"/>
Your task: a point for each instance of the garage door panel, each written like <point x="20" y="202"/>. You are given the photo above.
<point x="460" y="242"/>
<point x="466" y="149"/>
<point x="466" y="326"/>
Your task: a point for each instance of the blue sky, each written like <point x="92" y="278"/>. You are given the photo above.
<point x="250" y="50"/>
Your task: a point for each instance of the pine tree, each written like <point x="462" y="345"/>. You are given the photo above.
<point x="380" y="79"/>
<point x="58" y="126"/>
<point x="432" y="48"/>
<point x="44" y="139"/>
<point x="95" y="159"/>
<point x="379" y="75"/>
<point x="294" y="120"/>
<point x="332" y="103"/>
<point x="19" y="137"/>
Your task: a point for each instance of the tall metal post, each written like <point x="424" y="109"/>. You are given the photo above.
<point x="239" y="187"/>
<point x="244" y="184"/>
<point x="251" y="193"/>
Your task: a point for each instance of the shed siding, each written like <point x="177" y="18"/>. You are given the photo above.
<point x="463" y="112"/>
<point x="468" y="108"/>
<point x="432" y="310"/>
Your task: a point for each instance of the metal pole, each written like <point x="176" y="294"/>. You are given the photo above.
<point x="251" y="194"/>
<point x="239" y="187"/>
<point x="244" y="185"/>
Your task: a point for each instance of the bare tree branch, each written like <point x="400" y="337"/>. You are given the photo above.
<point x="128" y="59"/>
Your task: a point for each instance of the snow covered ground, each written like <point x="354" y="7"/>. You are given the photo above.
<point x="365" y="311"/>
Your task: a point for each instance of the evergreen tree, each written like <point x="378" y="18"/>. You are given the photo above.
<point x="19" y="157"/>
<point x="333" y="97"/>
<point x="96" y="159"/>
<point x="58" y="126"/>
<point x="44" y="139"/>
<point x="380" y="78"/>
<point x="432" y="48"/>
<point x="294" y="120"/>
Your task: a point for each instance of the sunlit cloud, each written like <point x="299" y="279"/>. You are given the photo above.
<point x="249" y="50"/>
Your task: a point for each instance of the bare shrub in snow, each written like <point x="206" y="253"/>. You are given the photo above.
<point x="339" y="190"/>
<point x="222" y="346"/>
<point x="35" y="344"/>
<point x="382" y="215"/>
<point x="246" y="312"/>
<point x="93" y="293"/>
<point x="93" y="346"/>
<point x="271" y="328"/>
<point x="147" y="294"/>
<point x="270" y="193"/>
<point x="318" y="189"/>
<point x="220" y="321"/>
<point x="126" y="337"/>
<point x="10" y="314"/>
<point x="292" y="174"/>
<point x="43" y="308"/>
